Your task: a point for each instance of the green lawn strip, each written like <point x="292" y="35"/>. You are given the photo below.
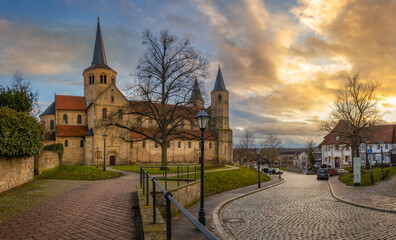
<point x="67" y="172"/>
<point x="155" y="169"/>
<point x="365" y="177"/>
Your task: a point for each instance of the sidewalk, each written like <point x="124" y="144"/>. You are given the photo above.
<point x="359" y="197"/>
<point x="182" y="228"/>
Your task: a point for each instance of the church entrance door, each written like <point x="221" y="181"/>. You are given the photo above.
<point x="112" y="160"/>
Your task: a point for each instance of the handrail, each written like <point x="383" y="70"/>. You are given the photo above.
<point x="169" y="198"/>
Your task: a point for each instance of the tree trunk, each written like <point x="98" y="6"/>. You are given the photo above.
<point x="164" y="154"/>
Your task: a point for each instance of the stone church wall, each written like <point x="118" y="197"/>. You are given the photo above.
<point x="73" y="153"/>
<point x="15" y="171"/>
<point x="45" y="160"/>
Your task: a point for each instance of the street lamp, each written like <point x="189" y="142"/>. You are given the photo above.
<point x="258" y="166"/>
<point x="97" y="157"/>
<point x="382" y="161"/>
<point x="104" y="151"/>
<point x="202" y="118"/>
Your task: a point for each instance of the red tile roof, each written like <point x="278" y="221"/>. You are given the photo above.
<point x="63" y="102"/>
<point x="71" y="131"/>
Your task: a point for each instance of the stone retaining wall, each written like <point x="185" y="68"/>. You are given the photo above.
<point x="45" y="160"/>
<point x="15" y="171"/>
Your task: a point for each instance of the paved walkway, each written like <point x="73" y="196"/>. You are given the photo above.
<point x="182" y="228"/>
<point x="98" y="210"/>
<point x="358" y="196"/>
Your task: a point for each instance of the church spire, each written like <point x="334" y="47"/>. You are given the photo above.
<point x="219" y="84"/>
<point x="195" y="93"/>
<point x="99" y="56"/>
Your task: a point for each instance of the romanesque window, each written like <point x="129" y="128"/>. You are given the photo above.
<point x="93" y="79"/>
<point x="139" y="121"/>
<point x="65" y="118"/>
<point x="105" y="79"/>
<point x="120" y="114"/>
<point x="66" y="143"/>
<point x="179" y="144"/>
<point x="112" y="98"/>
<point x="182" y="125"/>
<point x="144" y="144"/>
<point x="52" y="125"/>
<point x="168" y="144"/>
<point x="189" y="144"/>
<point x="104" y="113"/>
<point x="156" y="144"/>
<point x="210" y="145"/>
<point x="79" y="119"/>
<point x="90" y="78"/>
<point x="219" y="97"/>
<point x="82" y="143"/>
<point x="150" y="122"/>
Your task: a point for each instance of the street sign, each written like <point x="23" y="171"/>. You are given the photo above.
<point x="356" y="171"/>
<point x="369" y="150"/>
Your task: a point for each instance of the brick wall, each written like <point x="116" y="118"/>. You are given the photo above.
<point x="45" y="160"/>
<point x="15" y="171"/>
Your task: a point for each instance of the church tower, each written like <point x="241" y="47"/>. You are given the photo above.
<point x="196" y="99"/>
<point x="99" y="75"/>
<point x="220" y="119"/>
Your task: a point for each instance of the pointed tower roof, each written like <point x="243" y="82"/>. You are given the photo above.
<point x="219" y="84"/>
<point x="99" y="55"/>
<point x="195" y="93"/>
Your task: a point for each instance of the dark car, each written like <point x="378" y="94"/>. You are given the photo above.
<point x="323" y="174"/>
<point x="333" y="172"/>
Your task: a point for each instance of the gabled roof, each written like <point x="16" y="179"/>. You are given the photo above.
<point x="195" y="93"/>
<point x="70" y="103"/>
<point x="219" y="84"/>
<point x="50" y="110"/>
<point x="71" y="131"/>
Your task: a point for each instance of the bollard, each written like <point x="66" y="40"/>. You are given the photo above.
<point x="154" y="206"/>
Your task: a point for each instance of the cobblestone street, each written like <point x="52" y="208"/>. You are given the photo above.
<point x="303" y="208"/>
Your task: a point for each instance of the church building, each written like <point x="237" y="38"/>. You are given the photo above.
<point x="74" y="121"/>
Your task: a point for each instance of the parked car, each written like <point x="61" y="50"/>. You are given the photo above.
<point x="341" y="171"/>
<point x="323" y="173"/>
<point x="333" y="172"/>
<point x="277" y="171"/>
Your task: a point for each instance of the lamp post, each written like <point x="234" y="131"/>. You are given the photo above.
<point x="258" y="167"/>
<point x="104" y="151"/>
<point x="202" y="118"/>
<point x="97" y="157"/>
<point x="382" y="161"/>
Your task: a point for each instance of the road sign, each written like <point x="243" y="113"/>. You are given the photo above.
<point x="369" y="150"/>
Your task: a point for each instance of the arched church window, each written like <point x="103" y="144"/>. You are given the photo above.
<point x="144" y="144"/>
<point x="82" y="143"/>
<point x="79" y="119"/>
<point x="182" y="125"/>
<point x="112" y="98"/>
<point x="52" y="125"/>
<point x="93" y="79"/>
<point x="66" y="143"/>
<point x="65" y="118"/>
<point x="120" y="114"/>
<point x="189" y="144"/>
<point x="179" y="144"/>
<point x="219" y="97"/>
<point x="90" y="79"/>
<point x="139" y="121"/>
<point x="104" y="113"/>
<point x="210" y="145"/>
<point x="101" y="78"/>
<point x="105" y="79"/>
<point x="150" y="122"/>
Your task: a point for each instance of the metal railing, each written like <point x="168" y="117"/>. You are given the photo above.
<point x="144" y="183"/>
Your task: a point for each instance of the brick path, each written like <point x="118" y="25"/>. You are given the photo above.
<point x="98" y="210"/>
<point x="357" y="195"/>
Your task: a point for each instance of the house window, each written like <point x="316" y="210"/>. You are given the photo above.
<point x="179" y="144"/>
<point x="104" y="113"/>
<point x="378" y="147"/>
<point x="337" y="147"/>
<point x="82" y="143"/>
<point x="346" y="159"/>
<point x="79" y="119"/>
<point x="120" y="114"/>
<point x="144" y="144"/>
<point x="66" y="143"/>
<point x="337" y="138"/>
<point x="65" y="118"/>
<point x="347" y="147"/>
<point x="52" y="125"/>
<point x="219" y="97"/>
<point x="189" y="144"/>
<point x="112" y="98"/>
<point x="210" y="145"/>
<point x="150" y="122"/>
<point x="386" y="146"/>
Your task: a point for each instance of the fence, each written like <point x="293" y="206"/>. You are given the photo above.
<point x="144" y="183"/>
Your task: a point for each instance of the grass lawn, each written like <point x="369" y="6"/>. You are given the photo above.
<point x="155" y="169"/>
<point x="365" y="179"/>
<point x="67" y="172"/>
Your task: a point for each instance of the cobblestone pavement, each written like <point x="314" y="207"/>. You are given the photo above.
<point x="100" y="210"/>
<point x="303" y="208"/>
<point x="373" y="197"/>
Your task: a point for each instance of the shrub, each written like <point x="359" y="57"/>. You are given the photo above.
<point x="20" y="134"/>
<point x="56" y="147"/>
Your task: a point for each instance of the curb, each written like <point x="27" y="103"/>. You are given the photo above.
<point x="357" y="204"/>
<point x="216" y="219"/>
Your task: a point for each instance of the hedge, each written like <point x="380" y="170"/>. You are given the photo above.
<point x="21" y="135"/>
<point x="56" y="147"/>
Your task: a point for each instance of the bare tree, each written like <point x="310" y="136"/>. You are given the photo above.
<point x="310" y="148"/>
<point x="165" y="77"/>
<point x="271" y="147"/>
<point x="354" y="111"/>
<point x="246" y="144"/>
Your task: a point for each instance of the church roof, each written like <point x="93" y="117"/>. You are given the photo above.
<point x="99" y="56"/>
<point x="64" y="102"/>
<point x="219" y="84"/>
<point x="195" y="93"/>
<point x="71" y="131"/>
<point x="50" y="110"/>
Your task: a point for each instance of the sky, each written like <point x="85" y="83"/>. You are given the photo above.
<point x="282" y="60"/>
